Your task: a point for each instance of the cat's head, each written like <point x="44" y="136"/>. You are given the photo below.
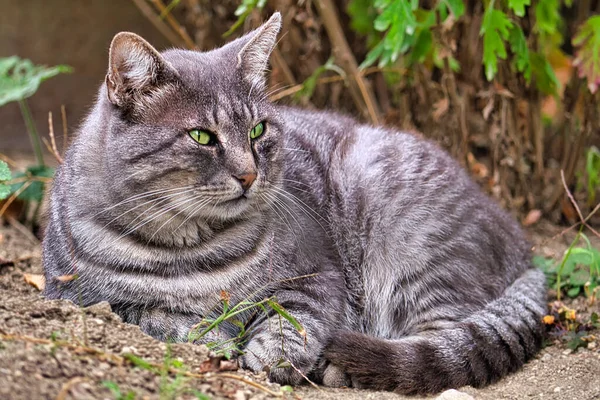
<point x="194" y="125"/>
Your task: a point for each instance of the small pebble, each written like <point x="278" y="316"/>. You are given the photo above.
<point x="129" y="349"/>
<point x="557" y="389"/>
<point x="567" y="352"/>
<point x="454" y="394"/>
<point x="546" y="357"/>
<point x="591" y="345"/>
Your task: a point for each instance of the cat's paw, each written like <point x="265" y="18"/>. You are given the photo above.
<point x="167" y="326"/>
<point x="266" y="355"/>
<point x="335" y="377"/>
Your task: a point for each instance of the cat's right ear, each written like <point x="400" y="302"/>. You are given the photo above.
<point x="134" y="68"/>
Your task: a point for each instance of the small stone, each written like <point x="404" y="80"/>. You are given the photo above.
<point x="546" y="357"/>
<point x="240" y="395"/>
<point x="129" y="349"/>
<point x="454" y="394"/>
<point x="567" y="352"/>
<point x="557" y="389"/>
<point x="100" y="309"/>
<point x="591" y="345"/>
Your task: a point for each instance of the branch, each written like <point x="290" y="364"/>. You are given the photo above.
<point x="359" y="89"/>
<point x="158" y="23"/>
<point x="582" y="220"/>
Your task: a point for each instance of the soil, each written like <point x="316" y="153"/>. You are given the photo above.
<point x="56" y="350"/>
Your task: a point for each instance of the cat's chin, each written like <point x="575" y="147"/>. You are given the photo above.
<point x="231" y="209"/>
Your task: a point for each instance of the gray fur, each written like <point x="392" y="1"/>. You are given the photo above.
<point x="421" y="281"/>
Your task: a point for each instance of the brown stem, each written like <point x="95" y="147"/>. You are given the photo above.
<point x="176" y="26"/>
<point x="360" y="90"/>
<point x="158" y="23"/>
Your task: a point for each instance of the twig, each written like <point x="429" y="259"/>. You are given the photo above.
<point x="237" y="378"/>
<point x="582" y="220"/>
<point x="63" y="114"/>
<point x="23" y="230"/>
<point x="176" y="26"/>
<point x="8" y="160"/>
<point x="53" y="149"/>
<point x="306" y="377"/>
<point x="66" y="388"/>
<point x="343" y="55"/>
<point x="12" y="198"/>
<point x="158" y="23"/>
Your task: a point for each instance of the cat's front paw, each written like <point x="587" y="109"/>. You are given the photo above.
<point x="166" y="326"/>
<point x="264" y="353"/>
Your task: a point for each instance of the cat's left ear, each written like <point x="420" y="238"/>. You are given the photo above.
<point x="254" y="56"/>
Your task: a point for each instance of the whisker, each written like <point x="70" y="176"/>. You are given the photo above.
<point x="193" y="214"/>
<point x="174" y="216"/>
<point x="156" y="215"/>
<point x="143" y="195"/>
<point x="270" y="201"/>
<point x="301" y="204"/>
<point x="161" y="198"/>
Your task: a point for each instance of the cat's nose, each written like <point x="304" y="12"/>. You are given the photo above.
<point x="246" y="179"/>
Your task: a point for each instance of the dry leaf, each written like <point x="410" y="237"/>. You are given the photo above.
<point x="479" y="170"/>
<point x="35" y="280"/>
<point x="440" y="108"/>
<point x="66" y="278"/>
<point x="502" y="91"/>
<point x="532" y="217"/>
<point x="487" y="110"/>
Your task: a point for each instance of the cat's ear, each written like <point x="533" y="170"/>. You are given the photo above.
<point x="253" y="59"/>
<point x="134" y="68"/>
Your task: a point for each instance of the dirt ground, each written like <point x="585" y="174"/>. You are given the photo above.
<point x="56" y="350"/>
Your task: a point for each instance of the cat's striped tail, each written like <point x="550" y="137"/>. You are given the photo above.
<point x="476" y="351"/>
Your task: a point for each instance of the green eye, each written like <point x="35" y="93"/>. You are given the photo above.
<point x="257" y="130"/>
<point x="201" y="137"/>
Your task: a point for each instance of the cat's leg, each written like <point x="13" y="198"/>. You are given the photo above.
<point x="171" y="326"/>
<point x="286" y="352"/>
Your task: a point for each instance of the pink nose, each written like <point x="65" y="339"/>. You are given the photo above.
<point x="246" y="179"/>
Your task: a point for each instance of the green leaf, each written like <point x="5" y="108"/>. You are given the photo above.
<point x="592" y="168"/>
<point x="20" y="79"/>
<point x="362" y="14"/>
<point x="139" y="362"/>
<point x="545" y="264"/>
<point x="518" y="45"/>
<point x="574" y="291"/>
<point x="283" y="312"/>
<point x="35" y="190"/>
<point x="372" y="56"/>
<point x="457" y="7"/>
<point x="518" y="6"/>
<point x="545" y="79"/>
<point x="587" y="61"/>
<point x="242" y="13"/>
<point x="581" y="256"/>
<point x="4" y="191"/>
<point x="579" y="277"/>
<point x="5" y="174"/>
<point x="495" y="30"/>
<point x="422" y="47"/>
<point x="547" y="15"/>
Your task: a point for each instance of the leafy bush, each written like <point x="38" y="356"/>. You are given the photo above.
<point x="19" y="80"/>
<point x="578" y="272"/>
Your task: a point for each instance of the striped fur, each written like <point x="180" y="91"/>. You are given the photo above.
<point x="412" y="279"/>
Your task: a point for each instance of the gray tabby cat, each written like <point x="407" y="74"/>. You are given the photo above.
<point x="184" y="181"/>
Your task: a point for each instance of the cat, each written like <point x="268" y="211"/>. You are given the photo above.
<point x="186" y="189"/>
